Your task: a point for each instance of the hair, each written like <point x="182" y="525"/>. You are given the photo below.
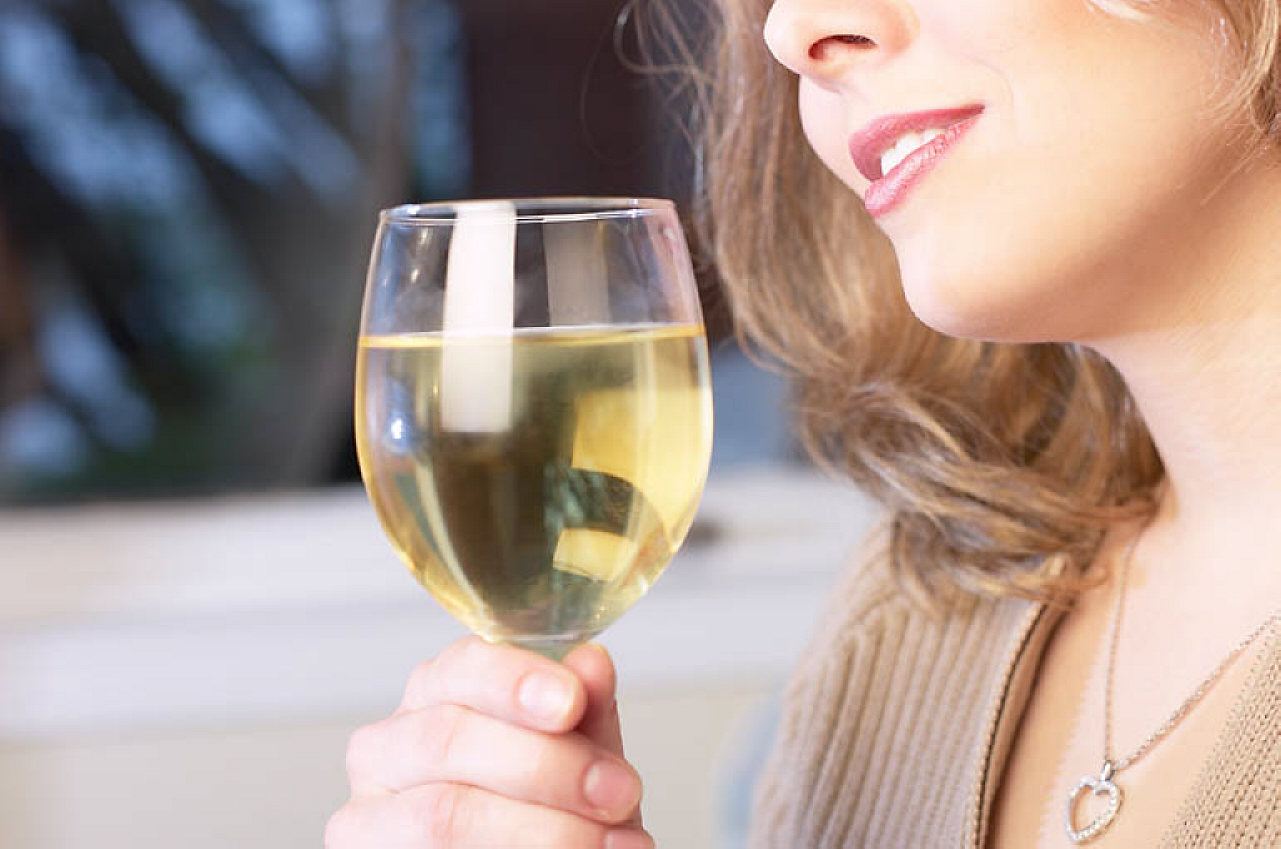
<point x="1002" y="465"/>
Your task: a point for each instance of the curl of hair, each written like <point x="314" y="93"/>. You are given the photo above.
<point x="1001" y="465"/>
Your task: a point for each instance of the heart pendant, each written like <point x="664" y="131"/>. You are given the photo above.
<point x="1101" y="785"/>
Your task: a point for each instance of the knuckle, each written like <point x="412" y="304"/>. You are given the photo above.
<point x="339" y="828"/>
<point x="425" y="685"/>
<point x="469" y="653"/>
<point x="418" y="686"/>
<point x="361" y="747"/>
<point x="465" y="647"/>
<point x="440" y="736"/>
<point x="440" y="814"/>
<point x="553" y="766"/>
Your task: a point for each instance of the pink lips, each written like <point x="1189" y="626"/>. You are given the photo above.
<point x="866" y="146"/>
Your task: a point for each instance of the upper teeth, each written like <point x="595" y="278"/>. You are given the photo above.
<point x="904" y="147"/>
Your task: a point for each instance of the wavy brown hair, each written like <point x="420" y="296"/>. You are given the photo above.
<point x="1002" y="465"/>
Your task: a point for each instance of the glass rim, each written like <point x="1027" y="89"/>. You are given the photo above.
<point x="550" y="209"/>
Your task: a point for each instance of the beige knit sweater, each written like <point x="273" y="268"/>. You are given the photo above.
<point x="897" y="725"/>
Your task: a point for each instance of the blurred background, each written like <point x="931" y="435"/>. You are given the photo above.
<point x="188" y="199"/>
<point x="196" y="605"/>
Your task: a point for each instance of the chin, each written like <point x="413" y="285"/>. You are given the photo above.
<point x="981" y="307"/>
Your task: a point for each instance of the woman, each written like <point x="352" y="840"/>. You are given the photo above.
<point x="1030" y="289"/>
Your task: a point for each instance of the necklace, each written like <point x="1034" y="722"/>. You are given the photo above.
<point x="1104" y="784"/>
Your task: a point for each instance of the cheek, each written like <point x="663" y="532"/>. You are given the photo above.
<point x="1032" y="234"/>
<point x="1077" y="182"/>
<point x="824" y="123"/>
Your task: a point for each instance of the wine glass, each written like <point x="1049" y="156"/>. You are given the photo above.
<point x="533" y="407"/>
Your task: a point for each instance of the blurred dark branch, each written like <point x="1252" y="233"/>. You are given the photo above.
<point x="95" y="28"/>
<point x="19" y="363"/>
<point x="230" y="32"/>
<point x="39" y="223"/>
<point x="43" y="220"/>
<point x="289" y="255"/>
<point x="331" y="377"/>
<point x="304" y="253"/>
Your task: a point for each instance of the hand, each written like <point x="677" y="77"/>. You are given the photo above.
<point x="495" y="746"/>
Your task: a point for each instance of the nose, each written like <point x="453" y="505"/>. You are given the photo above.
<point x="824" y="40"/>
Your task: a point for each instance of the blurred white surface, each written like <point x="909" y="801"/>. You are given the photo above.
<point x="185" y="674"/>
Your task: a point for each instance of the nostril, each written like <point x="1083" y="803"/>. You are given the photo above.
<point x="858" y="41"/>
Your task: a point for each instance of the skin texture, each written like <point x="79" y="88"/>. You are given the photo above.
<point x="494" y="746"/>
<point x="1100" y="200"/>
<point x="1094" y="142"/>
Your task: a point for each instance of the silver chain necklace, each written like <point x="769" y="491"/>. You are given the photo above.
<point x="1104" y="784"/>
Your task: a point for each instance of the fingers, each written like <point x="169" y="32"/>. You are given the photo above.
<point x="449" y="743"/>
<point x="501" y="681"/>
<point x="445" y="816"/>
<point x="600" y="719"/>
<point x="495" y="746"/>
<point x="600" y="722"/>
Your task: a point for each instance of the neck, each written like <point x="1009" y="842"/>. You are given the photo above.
<point x="1205" y="365"/>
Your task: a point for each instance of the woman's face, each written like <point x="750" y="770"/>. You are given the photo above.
<point x="1076" y="148"/>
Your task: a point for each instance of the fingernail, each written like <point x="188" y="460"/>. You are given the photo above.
<point x="611" y="788"/>
<point x="544" y="696"/>
<point x="628" y="838"/>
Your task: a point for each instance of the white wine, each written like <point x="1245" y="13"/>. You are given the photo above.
<point x="536" y="482"/>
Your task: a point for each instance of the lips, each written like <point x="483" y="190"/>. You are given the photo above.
<point x="870" y="144"/>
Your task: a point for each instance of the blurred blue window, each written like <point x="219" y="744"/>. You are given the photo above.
<point x="187" y="191"/>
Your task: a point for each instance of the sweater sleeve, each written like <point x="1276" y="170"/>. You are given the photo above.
<point x="881" y="742"/>
<point x="784" y="798"/>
